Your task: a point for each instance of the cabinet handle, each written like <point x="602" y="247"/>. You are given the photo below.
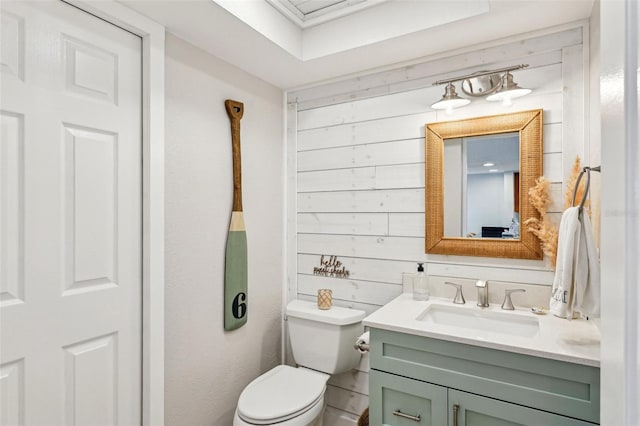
<point x="407" y="416"/>
<point x="455" y="414"/>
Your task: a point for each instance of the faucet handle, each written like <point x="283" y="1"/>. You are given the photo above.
<point x="507" y="304"/>
<point x="459" y="297"/>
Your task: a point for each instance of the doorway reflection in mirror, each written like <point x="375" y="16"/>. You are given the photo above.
<point x="481" y="186"/>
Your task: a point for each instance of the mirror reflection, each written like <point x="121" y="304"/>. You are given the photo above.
<point x="481" y="186"/>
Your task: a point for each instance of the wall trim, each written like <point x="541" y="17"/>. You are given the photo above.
<point x="620" y="365"/>
<point x="632" y="219"/>
<point x="153" y="36"/>
<point x="290" y="290"/>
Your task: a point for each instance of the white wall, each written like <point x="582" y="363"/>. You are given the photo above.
<point x="206" y="368"/>
<point x="454" y="188"/>
<point x="508" y="198"/>
<point x="356" y="178"/>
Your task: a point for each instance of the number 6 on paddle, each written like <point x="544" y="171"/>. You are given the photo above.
<point x="235" y="273"/>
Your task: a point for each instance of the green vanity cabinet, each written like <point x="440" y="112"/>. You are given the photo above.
<point x="424" y="380"/>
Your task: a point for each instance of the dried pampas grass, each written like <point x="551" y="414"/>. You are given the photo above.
<point x="539" y="196"/>
<point x="543" y="228"/>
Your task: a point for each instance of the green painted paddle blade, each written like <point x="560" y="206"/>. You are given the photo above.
<point x="235" y="280"/>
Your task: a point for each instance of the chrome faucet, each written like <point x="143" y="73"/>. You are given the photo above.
<point x="459" y="297"/>
<point x="507" y="305"/>
<point x="483" y="293"/>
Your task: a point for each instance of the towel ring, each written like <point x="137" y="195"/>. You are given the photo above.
<point x="588" y="171"/>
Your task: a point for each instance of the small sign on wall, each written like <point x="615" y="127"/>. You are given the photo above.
<point x="330" y="266"/>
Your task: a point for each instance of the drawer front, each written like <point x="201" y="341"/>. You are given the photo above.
<point x="398" y="401"/>
<point x="560" y="387"/>
<point x="474" y="410"/>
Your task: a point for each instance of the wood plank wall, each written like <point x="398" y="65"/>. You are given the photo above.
<point x="356" y="184"/>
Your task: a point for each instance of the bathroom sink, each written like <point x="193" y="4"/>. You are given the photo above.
<point x="519" y="331"/>
<point x="481" y="320"/>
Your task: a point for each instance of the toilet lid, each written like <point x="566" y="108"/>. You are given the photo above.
<point x="281" y="393"/>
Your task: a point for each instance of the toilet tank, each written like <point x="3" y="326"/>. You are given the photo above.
<point x="323" y="339"/>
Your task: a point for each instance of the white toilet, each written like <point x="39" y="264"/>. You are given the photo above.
<point x="322" y="344"/>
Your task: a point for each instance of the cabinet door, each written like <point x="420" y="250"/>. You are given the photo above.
<point x="399" y="401"/>
<point x="467" y="409"/>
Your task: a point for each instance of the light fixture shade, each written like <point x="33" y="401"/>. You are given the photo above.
<point x="509" y="90"/>
<point x="450" y="99"/>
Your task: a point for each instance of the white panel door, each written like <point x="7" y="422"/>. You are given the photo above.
<point x="70" y="218"/>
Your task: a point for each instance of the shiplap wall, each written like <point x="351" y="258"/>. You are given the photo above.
<point x="356" y="178"/>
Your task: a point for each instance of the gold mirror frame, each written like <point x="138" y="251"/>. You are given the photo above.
<point x="529" y="126"/>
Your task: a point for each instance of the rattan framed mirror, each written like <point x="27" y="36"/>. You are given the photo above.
<point x="528" y="126"/>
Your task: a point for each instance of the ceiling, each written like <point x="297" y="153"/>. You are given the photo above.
<point x="296" y="43"/>
<point x="309" y="8"/>
<point x="493" y="153"/>
<point x="307" y="13"/>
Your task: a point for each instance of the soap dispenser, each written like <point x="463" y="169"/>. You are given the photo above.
<point x="420" y="289"/>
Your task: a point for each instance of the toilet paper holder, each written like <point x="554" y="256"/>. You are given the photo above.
<point x="361" y="347"/>
<point x="362" y="344"/>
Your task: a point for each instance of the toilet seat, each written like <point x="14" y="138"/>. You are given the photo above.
<point x="280" y="394"/>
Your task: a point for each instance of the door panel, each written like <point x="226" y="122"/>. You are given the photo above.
<point x="400" y="401"/>
<point x="70" y="218"/>
<point x="11" y="208"/>
<point x="90" y="200"/>
<point x="475" y="410"/>
<point x="90" y="380"/>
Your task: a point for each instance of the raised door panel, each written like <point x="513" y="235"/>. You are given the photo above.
<point x="12" y="45"/>
<point x="399" y="401"/>
<point x="473" y="410"/>
<point x="91" y="382"/>
<point x="90" y="70"/>
<point x="12" y="391"/>
<point x="11" y="209"/>
<point x="91" y="175"/>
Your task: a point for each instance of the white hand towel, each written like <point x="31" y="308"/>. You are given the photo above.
<point x="587" y="273"/>
<point x="562" y="299"/>
<point x="576" y="285"/>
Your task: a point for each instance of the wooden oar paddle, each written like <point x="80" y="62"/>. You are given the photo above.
<point x="235" y="274"/>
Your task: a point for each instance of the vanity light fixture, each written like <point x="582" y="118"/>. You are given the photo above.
<point x="496" y="85"/>
<point x="450" y="99"/>
<point x="489" y="164"/>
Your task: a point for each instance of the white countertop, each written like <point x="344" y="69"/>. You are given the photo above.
<point x="576" y="341"/>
